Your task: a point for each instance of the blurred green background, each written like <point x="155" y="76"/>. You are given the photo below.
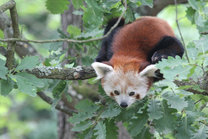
<point x="23" y="116"/>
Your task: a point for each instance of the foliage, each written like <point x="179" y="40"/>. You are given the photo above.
<point x="168" y="111"/>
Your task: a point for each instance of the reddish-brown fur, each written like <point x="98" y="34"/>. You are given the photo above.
<point x="134" y="41"/>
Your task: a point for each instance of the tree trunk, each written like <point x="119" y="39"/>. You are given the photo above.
<point x="67" y="18"/>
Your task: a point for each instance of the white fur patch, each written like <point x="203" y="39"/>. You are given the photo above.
<point x="149" y="71"/>
<point x="101" y="69"/>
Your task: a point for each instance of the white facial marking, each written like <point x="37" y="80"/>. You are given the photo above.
<point x="149" y="71"/>
<point x="125" y="83"/>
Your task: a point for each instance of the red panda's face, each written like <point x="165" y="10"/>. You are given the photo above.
<point x="124" y="87"/>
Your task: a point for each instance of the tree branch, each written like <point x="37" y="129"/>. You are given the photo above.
<point x="158" y="5"/>
<point x="10" y="61"/>
<point x="8" y="5"/>
<point x="82" y="73"/>
<point x="191" y="83"/>
<point x="58" y="107"/>
<point x="78" y="73"/>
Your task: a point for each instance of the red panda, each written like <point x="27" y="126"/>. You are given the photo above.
<point x="125" y="63"/>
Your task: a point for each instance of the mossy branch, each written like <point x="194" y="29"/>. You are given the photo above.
<point x="11" y="5"/>
<point x="77" y="73"/>
<point x="6" y="6"/>
<point x="82" y="73"/>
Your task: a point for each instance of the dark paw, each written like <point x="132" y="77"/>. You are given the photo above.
<point x="158" y="75"/>
<point x="159" y="55"/>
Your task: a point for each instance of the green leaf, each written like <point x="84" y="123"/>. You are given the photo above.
<point x="1" y="34"/>
<point x="28" y="83"/>
<point x="111" y="130"/>
<point x="100" y="130"/>
<point x="110" y="112"/>
<point x="138" y="124"/>
<point x="77" y="3"/>
<point x="59" y="88"/>
<point x="82" y="116"/>
<point x="147" y="2"/>
<point x="190" y="14"/>
<point x="194" y="4"/>
<point x="28" y="62"/>
<point x="86" y="106"/>
<point x="176" y="66"/>
<point x="57" y="6"/>
<point x="155" y="110"/>
<point x="6" y="86"/>
<point x="92" y="19"/>
<point x="3" y="69"/>
<point x="184" y="130"/>
<point x="87" y="134"/>
<point x="175" y="101"/>
<point x="167" y="123"/>
<point x="94" y="5"/>
<point x="82" y="126"/>
<point x="201" y="44"/>
<point x="202" y="133"/>
<point x="144" y="134"/>
<point x="73" y="30"/>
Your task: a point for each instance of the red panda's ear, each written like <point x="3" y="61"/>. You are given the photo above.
<point x="101" y="69"/>
<point x="149" y="71"/>
<point x="143" y="65"/>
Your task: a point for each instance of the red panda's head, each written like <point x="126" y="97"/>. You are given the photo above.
<point x="124" y="87"/>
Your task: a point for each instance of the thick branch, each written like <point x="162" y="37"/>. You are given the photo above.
<point x="82" y="73"/>
<point x="10" y="61"/>
<point x="14" y="18"/>
<point x="58" y="107"/>
<point x="157" y="7"/>
<point x="78" y="73"/>
<point x="8" y="5"/>
<point x="11" y="45"/>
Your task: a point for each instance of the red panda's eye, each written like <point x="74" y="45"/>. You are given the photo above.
<point x="131" y="93"/>
<point x="116" y="92"/>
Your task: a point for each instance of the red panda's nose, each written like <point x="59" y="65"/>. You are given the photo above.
<point x="123" y="104"/>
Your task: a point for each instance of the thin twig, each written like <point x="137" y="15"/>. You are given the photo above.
<point x="70" y="40"/>
<point x="197" y="101"/>
<point x="179" y="30"/>
<point x="58" y="107"/>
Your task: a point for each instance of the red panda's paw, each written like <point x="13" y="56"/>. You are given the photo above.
<point x="159" y="55"/>
<point x="158" y="76"/>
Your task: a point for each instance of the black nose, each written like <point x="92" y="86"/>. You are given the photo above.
<point x="123" y="104"/>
